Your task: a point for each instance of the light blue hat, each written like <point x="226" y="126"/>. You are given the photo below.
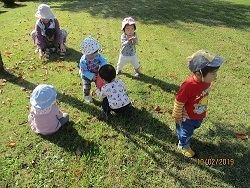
<point x="43" y="96"/>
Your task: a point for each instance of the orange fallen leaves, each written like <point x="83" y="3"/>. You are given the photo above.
<point x="78" y="171"/>
<point x="11" y="144"/>
<point x="242" y="136"/>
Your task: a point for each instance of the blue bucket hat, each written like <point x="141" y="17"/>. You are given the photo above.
<point x="43" y="96"/>
<point x="203" y="58"/>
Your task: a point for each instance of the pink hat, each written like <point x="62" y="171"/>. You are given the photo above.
<point x="128" y="20"/>
<point x="44" y="12"/>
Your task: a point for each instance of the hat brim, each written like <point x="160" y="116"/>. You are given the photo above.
<point x="48" y="16"/>
<point x="48" y="102"/>
<point x="216" y="62"/>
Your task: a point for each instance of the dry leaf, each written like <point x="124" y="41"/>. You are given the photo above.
<point x="242" y="136"/>
<point x="20" y="80"/>
<point x="78" y="121"/>
<point x="78" y="152"/>
<point x="78" y="171"/>
<point x="172" y="75"/>
<point x="89" y="118"/>
<point x="8" y="52"/>
<point x="86" y="143"/>
<point x="11" y="144"/>
<point x="157" y="108"/>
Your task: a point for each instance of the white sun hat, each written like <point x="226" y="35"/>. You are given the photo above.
<point x="89" y="46"/>
<point x="127" y="20"/>
<point x="43" y="96"/>
<point x="44" y="12"/>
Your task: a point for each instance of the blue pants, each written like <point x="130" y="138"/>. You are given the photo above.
<point x="185" y="131"/>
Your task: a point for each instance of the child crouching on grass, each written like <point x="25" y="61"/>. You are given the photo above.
<point x="192" y="98"/>
<point x="45" y="116"/>
<point x="113" y="92"/>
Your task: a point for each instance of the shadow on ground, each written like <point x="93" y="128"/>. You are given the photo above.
<point x="209" y="12"/>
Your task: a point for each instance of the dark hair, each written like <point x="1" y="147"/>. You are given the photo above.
<point x="50" y="33"/>
<point x="128" y="24"/>
<point x="107" y="73"/>
<point x="207" y="69"/>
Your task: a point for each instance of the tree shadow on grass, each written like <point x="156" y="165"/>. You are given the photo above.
<point x="71" y="55"/>
<point x="147" y="133"/>
<point x="67" y="137"/>
<point x="165" y="86"/>
<point x="157" y="140"/>
<point x="13" y="5"/>
<point x="209" y="12"/>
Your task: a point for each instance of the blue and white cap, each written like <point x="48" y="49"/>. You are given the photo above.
<point x="203" y="58"/>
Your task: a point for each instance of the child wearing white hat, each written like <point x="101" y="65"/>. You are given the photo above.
<point x="129" y="39"/>
<point x="89" y="65"/>
<point x="45" y="116"/>
<point x="192" y="98"/>
<point x="46" y="20"/>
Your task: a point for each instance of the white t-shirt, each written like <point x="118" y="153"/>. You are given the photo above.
<point x="115" y="93"/>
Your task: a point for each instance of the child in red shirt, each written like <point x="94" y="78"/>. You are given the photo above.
<point x="192" y="98"/>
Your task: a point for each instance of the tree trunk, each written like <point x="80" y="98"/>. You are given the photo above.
<point x="1" y="64"/>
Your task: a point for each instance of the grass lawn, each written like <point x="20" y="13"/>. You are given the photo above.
<point x="139" y="150"/>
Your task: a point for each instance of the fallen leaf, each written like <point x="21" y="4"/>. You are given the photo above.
<point x="20" y="80"/>
<point x="157" y="108"/>
<point x="22" y="123"/>
<point x="78" y="121"/>
<point x="86" y="143"/>
<point x="242" y="136"/>
<point x="33" y="163"/>
<point x="172" y="75"/>
<point x="11" y="144"/>
<point x="89" y="118"/>
<point x="78" y="152"/>
<point x="8" y="52"/>
<point x="24" y="88"/>
<point x="149" y="86"/>
<point x="78" y="171"/>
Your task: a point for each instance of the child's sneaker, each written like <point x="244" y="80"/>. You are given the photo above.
<point x="137" y="74"/>
<point x="47" y="54"/>
<point x="118" y="72"/>
<point x="88" y="99"/>
<point x="187" y="152"/>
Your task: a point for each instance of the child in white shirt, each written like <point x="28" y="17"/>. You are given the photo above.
<point x="113" y="92"/>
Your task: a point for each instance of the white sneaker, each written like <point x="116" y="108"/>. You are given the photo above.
<point x="88" y="98"/>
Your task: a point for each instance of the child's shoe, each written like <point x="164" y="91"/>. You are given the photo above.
<point x="137" y="74"/>
<point x="47" y="54"/>
<point x="187" y="152"/>
<point x="88" y="99"/>
<point x="105" y="114"/>
<point x="118" y="72"/>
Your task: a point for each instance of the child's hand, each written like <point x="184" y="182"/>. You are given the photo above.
<point x="62" y="47"/>
<point x="41" y="55"/>
<point x="132" y="39"/>
<point x="95" y="77"/>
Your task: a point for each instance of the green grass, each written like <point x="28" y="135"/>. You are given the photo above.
<point x="139" y="150"/>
